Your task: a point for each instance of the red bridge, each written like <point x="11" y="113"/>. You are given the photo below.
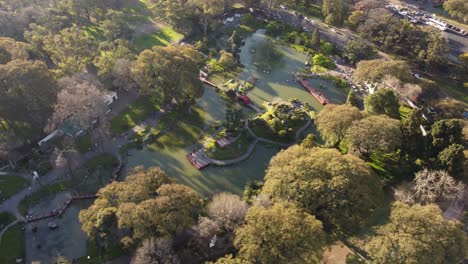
<point x="318" y="95"/>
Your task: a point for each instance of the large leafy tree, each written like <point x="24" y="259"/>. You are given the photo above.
<point x="111" y="52"/>
<point x="227" y="210"/>
<point x="14" y="50"/>
<point x="417" y="234"/>
<point x="282" y="233"/>
<point x="71" y="50"/>
<point x="383" y="102"/>
<point x="452" y="159"/>
<point x="207" y="9"/>
<point x="169" y="73"/>
<point x="374" y="134"/>
<point x="445" y="133"/>
<point x="457" y="9"/>
<point x="27" y="96"/>
<point x="357" y="50"/>
<point x="334" y="120"/>
<point x="79" y="102"/>
<point x="376" y="70"/>
<point x="413" y="141"/>
<point x="340" y="190"/>
<point x="334" y="11"/>
<point x="146" y="203"/>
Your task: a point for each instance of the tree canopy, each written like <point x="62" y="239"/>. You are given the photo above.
<point x="169" y="73"/>
<point x="340" y="190"/>
<point x="376" y="70"/>
<point x="374" y="134"/>
<point x="417" y="234"/>
<point x="27" y="97"/>
<point x="280" y="234"/>
<point x="334" y="120"/>
<point x="383" y="102"/>
<point x="146" y="203"/>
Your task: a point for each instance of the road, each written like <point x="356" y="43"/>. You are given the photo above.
<point x="458" y="44"/>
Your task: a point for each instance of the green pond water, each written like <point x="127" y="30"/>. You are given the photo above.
<point x="279" y="82"/>
<point x="172" y="157"/>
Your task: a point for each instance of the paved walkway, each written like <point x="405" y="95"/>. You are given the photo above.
<point x="6" y="228"/>
<point x="456" y="208"/>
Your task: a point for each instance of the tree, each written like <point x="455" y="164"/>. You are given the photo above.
<point x="436" y="51"/>
<point x="309" y="141"/>
<point x="355" y="19"/>
<point x="147" y="203"/>
<point x="334" y="120"/>
<point x="376" y="70"/>
<point x="79" y="102"/>
<point x="352" y="98"/>
<point x="233" y="119"/>
<point x="111" y="52"/>
<point x="357" y="50"/>
<point x="368" y="5"/>
<point x="122" y="75"/>
<point x="27" y="95"/>
<point x="155" y="250"/>
<point x="315" y="40"/>
<point x="235" y="41"/>
<point x="413" y="142"/>
<point x="71" y="50"/>
<point x="334" y="11"/>
<point x="11" y="49"/>
<point x="457" y="9"/>
<point x="280" y="234"/>
<point x="340" y="190"/>
<point x="169" y="73"/>
<point x="417" y="234"/>
<point x="374" y="134"/>
<point x="226" y="60"/>
<point x="433" y="186"/>
<point x="208" y="9"/>
<point x="452" y="159"/>
<point x="229" y="259"/>
<point x="383" y="102"/>
<point x="445" y="133"/>
<point x="117" y="25"/>
<point x="228" y="210"/>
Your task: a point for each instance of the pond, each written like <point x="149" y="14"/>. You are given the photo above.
<point x="279" y="82"/>
<point x="171" y="156"/>
<point x="68" y="240"/>
<point x="170" y="151"/>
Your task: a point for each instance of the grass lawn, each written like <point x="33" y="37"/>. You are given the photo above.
<point x="83" y="143"/>
<point x="97" y="257"/>
<point x="5" y="219"/>
<point x="388" y="168"/>
<point x="104" y="160"/>
<point x="234" y="150"/>
<point x="9" y="185"/>
<point x="12" y="245"/>
<point x="163" y="37"/>
<point x="185" y="132"/>
<point x="135" y="113"/>
<point x="454" y="90"/>
<point x="222" y="77"/>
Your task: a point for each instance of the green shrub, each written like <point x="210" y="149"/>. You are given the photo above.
<point x="324" y="61"/>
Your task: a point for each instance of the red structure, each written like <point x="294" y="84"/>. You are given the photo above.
<point x="198" y="160"/>
<point x="318" y="95"/>
<point x="245" y="99"/>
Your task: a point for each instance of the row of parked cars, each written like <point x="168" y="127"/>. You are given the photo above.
<point x="420" y="17"/>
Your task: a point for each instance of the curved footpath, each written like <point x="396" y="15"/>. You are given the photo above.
<point x="256" y="140"/>
<point x="3" y="231"/>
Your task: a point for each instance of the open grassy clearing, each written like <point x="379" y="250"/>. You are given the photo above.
<point x="6" y="219"/>
<point x="12" y="245"/>
<point x="9" y="185"/>
<point x="164" y="36"/>
<point x="135" y="113"/>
